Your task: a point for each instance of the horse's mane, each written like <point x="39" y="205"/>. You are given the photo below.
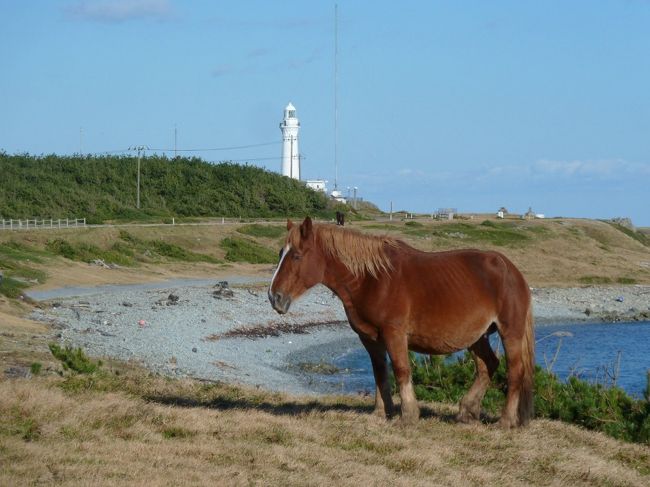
<point x="360" y="253"/>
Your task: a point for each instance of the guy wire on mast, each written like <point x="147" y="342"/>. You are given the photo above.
<point x="336" y="101"/>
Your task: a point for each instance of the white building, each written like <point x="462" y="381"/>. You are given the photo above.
<point x="290" y="154"/>
<point x="317" y="185"/>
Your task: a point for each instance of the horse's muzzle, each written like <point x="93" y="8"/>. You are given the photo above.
<point x="280" y="302"/>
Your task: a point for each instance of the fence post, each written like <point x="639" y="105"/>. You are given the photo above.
<point x="84" y="222"/>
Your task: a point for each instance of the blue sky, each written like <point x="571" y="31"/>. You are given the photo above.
<point x="467" y="104"/>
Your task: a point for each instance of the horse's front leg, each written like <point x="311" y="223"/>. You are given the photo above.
<point x="383" y="399"/>
<point x="397" y="346"/>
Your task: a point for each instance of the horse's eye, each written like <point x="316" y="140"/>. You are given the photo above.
<point x="297" y="256"/>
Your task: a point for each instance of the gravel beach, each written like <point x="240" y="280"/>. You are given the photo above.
<point x="227" y="331"/>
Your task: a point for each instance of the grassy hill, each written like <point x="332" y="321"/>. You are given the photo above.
<point x="104" y="188"/>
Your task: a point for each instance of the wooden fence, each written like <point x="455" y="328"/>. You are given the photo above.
<point x="38" y="224"/>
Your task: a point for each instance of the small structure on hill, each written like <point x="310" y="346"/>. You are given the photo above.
<point x="530" y="214"/>
<point x="317" y="185"/>
<point x="446" y="213"/>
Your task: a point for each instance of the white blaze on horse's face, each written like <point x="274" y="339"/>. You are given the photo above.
<point x="279" y="302"/>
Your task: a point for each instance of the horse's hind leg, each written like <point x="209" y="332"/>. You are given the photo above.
<point x="383" y="399"/>
<point x="520" y="360"/>
<point x="486" y="363"/>
<point x="397" y="346"/>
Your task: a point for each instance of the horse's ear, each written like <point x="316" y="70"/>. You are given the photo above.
<point x="289" y="224"/>
<point x="305" y="228"/>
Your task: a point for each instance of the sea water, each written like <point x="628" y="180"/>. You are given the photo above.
<point x="608" y="353"/>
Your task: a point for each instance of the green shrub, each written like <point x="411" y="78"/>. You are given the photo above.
<point x="500" y="234"/>
<point x="244" y="250"/>
<point x="11" y="288"/>
<point x="36" y="368"/>
<point x="62" y="247"/>
<point x="592" y="406"/>
<point x="595" y="280"/>
<point x="176" y="252"/>
<point x="626" y="280"/>
<point x="74" y="359"/>
<point x="267" y="231"/>
<point x="85" y="252"/>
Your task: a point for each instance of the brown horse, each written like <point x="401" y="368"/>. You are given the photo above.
<point x="398" y="298"/>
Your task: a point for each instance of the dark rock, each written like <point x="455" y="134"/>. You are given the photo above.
<point x="194" y="349"/>
<point x="588" y="311"/>
<point x="127" y="304"/>
<point x="18" y="372"/>
<point x="222" y="290"/>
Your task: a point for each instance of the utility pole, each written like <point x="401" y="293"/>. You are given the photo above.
<point x="140" y="149"/>
<point x="175" y="142"/>
<point x="81" y="140"/>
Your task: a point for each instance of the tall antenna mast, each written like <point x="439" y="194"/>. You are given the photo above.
<point x="336" y="95"/>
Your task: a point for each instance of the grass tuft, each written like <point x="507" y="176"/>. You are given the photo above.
<point x="594" y="280"/>
<point x="265" y="231"/>
<point x="74" y="359"/>
<point x="244" y="250"/>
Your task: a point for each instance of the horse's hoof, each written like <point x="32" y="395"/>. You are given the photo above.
<point x="381" y="414"/>
<point x="409" y="419"/>
<point x="507" y="423"/>
<point x="467" y="418"/>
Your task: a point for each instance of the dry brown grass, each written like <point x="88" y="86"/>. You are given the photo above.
<point x="137" y="429"/>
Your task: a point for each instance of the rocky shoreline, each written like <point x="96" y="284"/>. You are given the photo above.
<point x="593" y="304"/>
<point x="229" y="333"/>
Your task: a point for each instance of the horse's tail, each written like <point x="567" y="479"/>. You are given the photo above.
<point x="526" y="406"/>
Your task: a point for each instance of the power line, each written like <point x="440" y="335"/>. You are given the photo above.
<point x="257" y="159"/>
<point x="234" y="147"/>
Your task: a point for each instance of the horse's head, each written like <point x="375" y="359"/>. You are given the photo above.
<point x="301" y="266"/>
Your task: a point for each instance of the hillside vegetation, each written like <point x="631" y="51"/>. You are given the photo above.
<point x="104" y="188"/>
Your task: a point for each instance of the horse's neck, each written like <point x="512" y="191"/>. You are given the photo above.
<point x="341" y="280"/>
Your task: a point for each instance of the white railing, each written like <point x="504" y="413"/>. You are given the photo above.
<point x="38" y="224"/>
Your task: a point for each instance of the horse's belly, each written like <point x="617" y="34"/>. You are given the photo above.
<point x="439" y="338"/>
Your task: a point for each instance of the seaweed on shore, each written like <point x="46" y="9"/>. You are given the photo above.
<point x="273" y="329"/>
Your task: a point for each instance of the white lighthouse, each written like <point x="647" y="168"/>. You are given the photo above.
<point x="290" y="155"/>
